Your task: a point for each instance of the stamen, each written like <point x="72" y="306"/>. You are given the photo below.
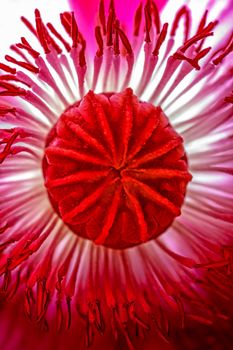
<point x="102" y="16"/>
<point x="116" y="45"/>
<point x="25" y="45"/>
<point x="155" y="12"/>
<point x="25" y="65"/>
<point x="228" y="49"/>
<point x="29" y="25"/>
<point x="183" y="12"/>
<point x="193" y="61"/>
<point x="74" y="31"/>
<point x="11" y="90"/>
<point x="14" y="78"/>
<point x="202" y="22"/>
<point x="8" y="147"/>
<point x="161" y="39"/>
<point x="52" y="42"/>
<point x="137" y="20"/>
<point x="125" y="41"/>
<point x="41" y="31"/>
<point x="59" y="36"/>
<point x="20" y="53"/>
<point x="195" y="39"/>
<point x="82" y="58"/>
<point x="7" y="68"/>
<point x="148" y="20"/>
<point x="110" y="21"/>
<point x="65" y="21"/>
<point x="4" y="110"/>
<point x="229" y="99"/>
<point x="99" y="41"/>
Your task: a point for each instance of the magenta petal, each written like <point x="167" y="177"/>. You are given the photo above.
<point x="86" y="13"/>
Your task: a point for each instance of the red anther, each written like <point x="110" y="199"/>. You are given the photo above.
<point x="125" y="41"/>
<point x="187" y="25"/>
<point x="28" y="301"/>
<point x="80" y="37"/>
<point x="222" y="49"/>
<point x="201" y="28"/>
<point x="204" y="29"/>
<point x="20" y="53"/>
<point x="9" y="77"/>
<point x="26" y="46"/>
<point x="193" y="61"/>
<point x="183" y="12"/>
<point x="179" y="14"/>
<point x="199" y="56"/>
<point x="41" y="31"/>
<point x="69" y="313"/>
<point x="229" y="99"/>
<point x="226" y="52"/>
<point x="65" y="18"/>
<point x="137" y="20"/>
<point x="58" y="36"/>
<point x="148" y="20"/>
<point x="99" y="322"/>
<point x="3" y="111"/>
<point x="111" y="18"/>
<point x="99" y="41"/>
<point x="9" y="143"/>
<point x="182" y="57"/>
<point x="74" y="31"/>
<point x="8" y="69"/>
<point x="210" y="27"/>
<point x="102" y="16"/>
<point x="161" y="39"/>
<point x="25" y="65"/>
<point x="14" y="286"/>
<point x="29" y="48"/>
<point x="116" y="38"/>
<point x="11" y="90"/>
<point x="155" y="12"/>
<point x="68" y="17"/>
<point x="41" y="299"/>
<point x="194" y="40"/>
<point x="82" y="58"/>
<point x="69" y="23"/>
<point x="202" y="22"/>
<point x="202" y="53"/>
<point x="51" y="41"/>
<point x="29" y="25"/>
<point x="112" y="7"/>
<point x="43" y="36"/>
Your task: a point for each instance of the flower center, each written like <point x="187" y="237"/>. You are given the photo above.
<point x="115" y="169"/>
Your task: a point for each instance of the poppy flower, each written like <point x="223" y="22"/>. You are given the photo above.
<point x="116" y="175"/>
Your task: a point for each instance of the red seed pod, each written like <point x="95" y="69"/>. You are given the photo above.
<point x="124" y="166"/>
